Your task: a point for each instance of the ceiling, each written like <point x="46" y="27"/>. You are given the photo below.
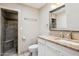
<point x="40" y="5"/>
<point x="35" y="5"/>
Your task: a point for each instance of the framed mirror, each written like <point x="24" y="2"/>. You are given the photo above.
<point x="65" y="17"/>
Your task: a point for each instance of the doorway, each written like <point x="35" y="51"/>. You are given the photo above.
<point x="9" y="32"/>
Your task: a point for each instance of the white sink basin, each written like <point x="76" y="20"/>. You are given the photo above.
<point x="68" y="42"/>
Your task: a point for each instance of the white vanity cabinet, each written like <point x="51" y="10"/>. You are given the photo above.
<point x="47" y="48"/>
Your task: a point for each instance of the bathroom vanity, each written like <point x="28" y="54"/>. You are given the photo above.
<point x="56" y="46"/>
<point x="64" y="33"/>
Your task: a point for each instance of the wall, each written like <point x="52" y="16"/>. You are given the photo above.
<point x="28" y="30"/>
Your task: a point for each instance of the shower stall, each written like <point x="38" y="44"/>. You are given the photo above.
<point x="9" y="32"/>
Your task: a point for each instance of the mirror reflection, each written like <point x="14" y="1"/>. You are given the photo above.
<point x="65" y="17"/>
<point x="58" y="18"/>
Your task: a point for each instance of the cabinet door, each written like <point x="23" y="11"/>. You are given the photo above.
<point x="51" y="51"/>
<point x="41" y="49"/>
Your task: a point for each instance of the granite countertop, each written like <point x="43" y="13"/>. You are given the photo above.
<point x="69" y="43"/>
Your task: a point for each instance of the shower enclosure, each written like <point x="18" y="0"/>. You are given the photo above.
<point x="9" y="32"/>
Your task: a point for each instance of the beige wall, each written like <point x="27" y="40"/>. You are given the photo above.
<point x="27" y="29"/>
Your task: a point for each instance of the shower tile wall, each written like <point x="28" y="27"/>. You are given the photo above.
<point x="11" y="35"/>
